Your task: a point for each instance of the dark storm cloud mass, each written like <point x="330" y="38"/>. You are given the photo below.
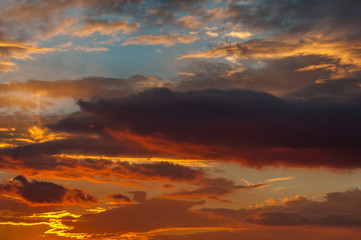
<point x="251" y="124"/>
<point x="299" y="16"/>
<point x="43" y="193"/>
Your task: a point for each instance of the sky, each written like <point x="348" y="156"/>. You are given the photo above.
<point x="183" y="119"/>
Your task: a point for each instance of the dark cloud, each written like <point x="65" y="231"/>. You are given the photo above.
<point x="119" y="199"/>
<point x="46" y="157"/>
<point x="327" y="17"/>
<point x="161" y="13"/>
<point x="256" y="126"/>
<point x="43" y="193"/>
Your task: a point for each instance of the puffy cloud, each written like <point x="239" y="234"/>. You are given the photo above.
<point x="45" y="193"/>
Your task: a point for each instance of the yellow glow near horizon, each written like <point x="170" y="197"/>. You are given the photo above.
<point x="58" y="214"/>
<point x="7" y="145"/>
<point x="184" y="162"/>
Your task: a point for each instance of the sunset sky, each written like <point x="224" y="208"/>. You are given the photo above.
<point x="180" y="120"/>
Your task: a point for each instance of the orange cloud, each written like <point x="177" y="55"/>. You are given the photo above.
<point x="16" y="50"/>
<point x="104" y="27"/>
<point x="260" y="50"/>
<point x="167" y="40"/>
<point x="189" y="21"/>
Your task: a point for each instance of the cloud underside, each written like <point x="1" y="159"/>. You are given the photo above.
<point x="254" y="128"/>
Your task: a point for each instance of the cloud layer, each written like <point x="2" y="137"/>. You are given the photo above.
<point x="258" y="127"/>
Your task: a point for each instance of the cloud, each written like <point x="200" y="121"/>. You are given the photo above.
<point x="212" y="189"/>
<point x="83" y="88"/>
<point x="254" y="128"/>
<point x="45" y="193"/>
<point x="17" y="50"/>
<point x="119" y="199"/>
<point x="241" y="35"/>
<point x="190" y="22"/>
<point x="339" y="209"/>
<point x="337" y="59"/>
<point x="331" y="17"/>
<point x="167" y="40"/>
<point x="158" y="215"/>
<point x="280" y="77"/>
<point x="270" y="180"/>
<point x="297" y="233"/>
<point x="148" y="215"/>
<point x="7" y="66"/>
<point x="104" y="27"/>
<point x="276" y="49"/>
<point x="47" y="158"/>
<point x="15" y="208"/>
